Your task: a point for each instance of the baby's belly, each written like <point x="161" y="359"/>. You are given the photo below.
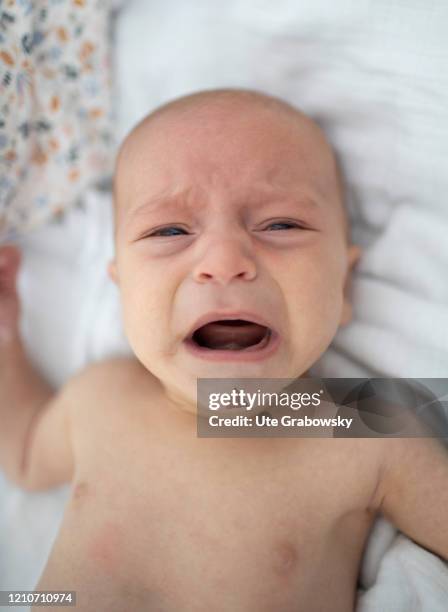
<point x="161" y="562"/>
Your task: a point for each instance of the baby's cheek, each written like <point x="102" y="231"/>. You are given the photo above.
<point x="136" y="316"/>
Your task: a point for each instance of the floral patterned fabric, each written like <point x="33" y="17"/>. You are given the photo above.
<point x="55" y="107"/>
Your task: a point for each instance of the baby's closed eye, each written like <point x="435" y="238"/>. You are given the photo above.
<point x="167" y="231"/>
<point x="285" y="224"/>
<point x="175" y="230"/>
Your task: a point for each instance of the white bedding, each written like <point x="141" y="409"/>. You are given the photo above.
<point x="374" y="73"/>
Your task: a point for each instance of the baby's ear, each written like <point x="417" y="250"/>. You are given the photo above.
<point x="354" y="254"/>
<point x="112" y="271"/>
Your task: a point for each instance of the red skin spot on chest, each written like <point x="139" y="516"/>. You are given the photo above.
<point x="106" y="548"/>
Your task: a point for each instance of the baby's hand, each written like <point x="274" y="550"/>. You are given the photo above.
<point x="10" y="258"/>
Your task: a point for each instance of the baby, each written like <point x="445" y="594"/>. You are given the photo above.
<point x="228" y="206"/>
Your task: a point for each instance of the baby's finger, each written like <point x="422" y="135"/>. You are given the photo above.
<point x="10" y="257"/>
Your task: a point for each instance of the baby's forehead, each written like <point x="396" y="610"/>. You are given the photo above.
<point x="205" y="118"/>
<point x="166" y="134"/>
<point x="181" y="128"/>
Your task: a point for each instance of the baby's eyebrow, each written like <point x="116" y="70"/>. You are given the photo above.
<point x="259" y="196"/>
<point x="156" y="202"/>
<point x="299" y="198"/>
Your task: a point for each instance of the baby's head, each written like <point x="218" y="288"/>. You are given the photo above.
<point x="229" y="205"/>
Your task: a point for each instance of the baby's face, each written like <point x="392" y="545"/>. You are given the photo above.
<point x="229" y="214"/>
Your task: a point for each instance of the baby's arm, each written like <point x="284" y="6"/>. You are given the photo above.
<point x="415" y="490"/>
<point x="34" y="445"/>
<point x="38" y="424"/>
<point x="34" y="428"/>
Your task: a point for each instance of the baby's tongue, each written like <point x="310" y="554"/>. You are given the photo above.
<point x="231" y="335"/>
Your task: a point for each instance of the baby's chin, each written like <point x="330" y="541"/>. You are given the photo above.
<point x="187" y="382"/>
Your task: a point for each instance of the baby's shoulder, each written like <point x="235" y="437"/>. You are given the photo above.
<point x="357" y="465"/>
<point x="113" y="371"/>
<point x="106" y="375"/>
<point x="106" y="401"/>
<point x="106" y="385"/>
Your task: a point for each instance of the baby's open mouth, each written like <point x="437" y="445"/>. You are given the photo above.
<point x="231" y="335"/>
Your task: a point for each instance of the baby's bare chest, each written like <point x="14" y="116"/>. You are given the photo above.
<point x="191" y="522"/>
<point x="177" y="544"/>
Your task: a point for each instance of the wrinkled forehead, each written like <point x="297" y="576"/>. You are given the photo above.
<point x="223" y="147"/>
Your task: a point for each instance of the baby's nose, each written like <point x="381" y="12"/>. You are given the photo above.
<point x="224" y="261"/>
